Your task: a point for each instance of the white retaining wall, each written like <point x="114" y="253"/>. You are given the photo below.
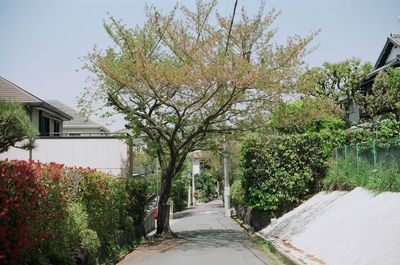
<point x="342" y="228"/>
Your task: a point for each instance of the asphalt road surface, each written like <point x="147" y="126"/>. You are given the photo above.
<point x="209" y="238"/>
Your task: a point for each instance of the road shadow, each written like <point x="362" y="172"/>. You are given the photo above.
<point x="182" y="214"/>
<point x="213" y="238"/>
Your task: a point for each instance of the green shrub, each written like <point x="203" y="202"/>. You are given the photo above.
<point x="280" y="171"/>
<point x="237" y="193"/>
<point x="79" y="233"/>
<point x="106" y="202"/>
<point x="114" y="205"/>
<point x="137" y="190"/>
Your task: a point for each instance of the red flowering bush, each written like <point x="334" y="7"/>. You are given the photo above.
<point x="33" y="216"/>
<point x="48" y="211"/>
<point x="52" y="227"/>
<point x="21" y="193"/>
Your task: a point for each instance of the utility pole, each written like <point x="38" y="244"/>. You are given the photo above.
<point x="193" y="181"/>
<point x="157" y="176"/>
<point x="189" y="198"/>
<point x="227" y="189"/>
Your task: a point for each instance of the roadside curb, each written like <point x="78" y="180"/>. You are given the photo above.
<point x="246" y="227"/>
<point x="275" y="249"/>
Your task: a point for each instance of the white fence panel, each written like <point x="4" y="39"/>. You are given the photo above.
<point x="105" y="154"/>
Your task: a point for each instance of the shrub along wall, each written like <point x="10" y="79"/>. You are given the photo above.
<point x="280" y="171"/>
<point x="50" y="214"/>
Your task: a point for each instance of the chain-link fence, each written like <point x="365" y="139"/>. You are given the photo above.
<point x="376" y="152"/>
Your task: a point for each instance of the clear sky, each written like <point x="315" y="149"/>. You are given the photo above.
<point x="41" y="41"/>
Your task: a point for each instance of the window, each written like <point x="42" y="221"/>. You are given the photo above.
<point x="44" y="126"/>
<point x="56" y="128"/>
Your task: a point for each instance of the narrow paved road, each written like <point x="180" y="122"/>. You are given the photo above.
<point x="210" y="239"/>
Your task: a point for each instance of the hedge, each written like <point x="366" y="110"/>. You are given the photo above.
<point x="50" y="214"/>
<point x="237" y="193"/>
<point x="280" y="171"/>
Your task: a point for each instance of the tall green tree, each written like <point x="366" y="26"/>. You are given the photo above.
<point x="334" y="80"/>
<point x="179" y="78"/>
<point x="15" y="127"/>
<point x="307" y="114"/>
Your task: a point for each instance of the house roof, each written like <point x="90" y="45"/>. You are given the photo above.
<point x="392" y="41"/>
<point x="77" y="121"/>
<point x="393" y="63"/>
<point x="10" y="91"/>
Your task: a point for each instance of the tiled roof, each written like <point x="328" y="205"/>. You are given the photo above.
<point x="10" y="91"/>
<point x="77" y="119"/>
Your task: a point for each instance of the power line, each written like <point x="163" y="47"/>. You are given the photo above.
<point x="230" y="27"/>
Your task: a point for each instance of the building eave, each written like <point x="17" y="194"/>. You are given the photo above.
<point x="390" y="42"/>
<point x="376" y="71"/>
<point x="64" y="116"/>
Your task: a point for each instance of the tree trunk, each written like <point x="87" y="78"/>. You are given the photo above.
<point x="163" y="220"/>
<point x="169" y="171"/>
<point x="163" y="209"/>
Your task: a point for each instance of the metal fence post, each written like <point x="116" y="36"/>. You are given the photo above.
<point x="357" y="156"/>
<point x="374" y="151"/>
<point x="345" y="152"/>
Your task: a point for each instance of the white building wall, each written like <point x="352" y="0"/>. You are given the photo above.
<point x="15" y="153"/>
<point x="105" y="154"/>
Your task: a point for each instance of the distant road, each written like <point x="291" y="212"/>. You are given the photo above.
<point x="210" y="238"/>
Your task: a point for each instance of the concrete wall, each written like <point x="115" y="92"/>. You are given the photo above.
<point x="105" y="154"/>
